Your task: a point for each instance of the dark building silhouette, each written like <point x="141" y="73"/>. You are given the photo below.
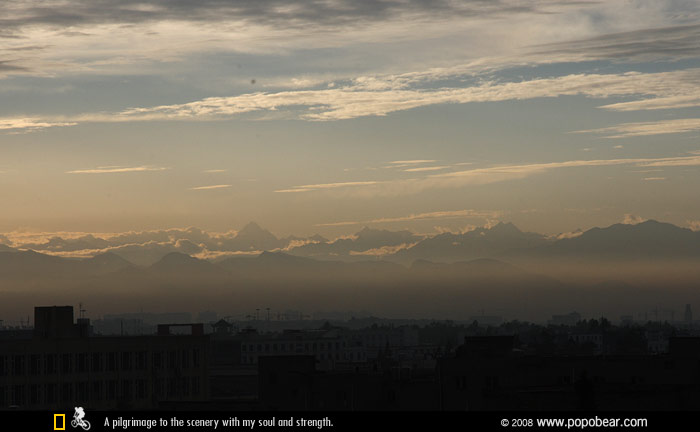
<point x="293" y="383"/>
<point x="62" y="366"/>
<point x="487" y="373"/>
<point x="591" y="365"/>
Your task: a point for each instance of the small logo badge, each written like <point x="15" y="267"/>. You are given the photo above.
<point x="79" y="419"/>
<point x="59" y="422"/>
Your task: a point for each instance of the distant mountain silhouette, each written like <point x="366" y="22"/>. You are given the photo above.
<point x="650" y="239"/>
<point x="479" y="243"/>
<point x="105" y="263"/>
<point x="364" y="240"/>
<point x="30" y="265"/>
<point x="268" y="262"/>
<point x="253" y="238"/>
<point x="179" y="264"/>
<point x="59" y="244"/>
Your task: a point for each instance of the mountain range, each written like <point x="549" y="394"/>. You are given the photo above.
<point x="611" y="269"/>
<point x="651" y="241"/>
<point x="647" y="240"/>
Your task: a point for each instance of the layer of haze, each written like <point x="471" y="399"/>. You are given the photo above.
<point x="313" y="117"/>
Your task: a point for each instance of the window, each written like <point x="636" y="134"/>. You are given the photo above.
<point x="35" y="364"/>
<point x="66" y="363"/>
<point x="18" y="395"/>
<point x="127" y="390"/>
<point x="185" y="386"/>
<point x="50" y="390"/>
<point x="66" y="393"/>
<point x="171" y="387"/>
<point x="82" y="363"/>
<point x="81" y="391"/>
<point x="141" y="360"/>
<point x="97" y="362"/>
<point x="195" y="358"/>
<point x="157" y="360"/>
<point x="34" y="394"/>
<point x="96" y="390"/>
<point x="160" y="387"/>
<point x="18" y="365"/>
<point x="111" y="361"/>
<point x="195" y="386"/>
<point x="126" y="361"/>
<point x="111" y="389"/>
<point x="50" y="364"/>
<point x="142" y="389"/>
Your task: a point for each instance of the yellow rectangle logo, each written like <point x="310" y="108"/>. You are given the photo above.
<point x="63" y="422"/>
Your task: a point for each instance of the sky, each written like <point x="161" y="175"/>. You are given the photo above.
<point x="326" y="116"/>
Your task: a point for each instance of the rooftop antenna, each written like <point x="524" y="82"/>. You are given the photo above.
<point x="81" y="311"/>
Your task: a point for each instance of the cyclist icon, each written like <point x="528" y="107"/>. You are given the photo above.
<point x="78" y="419"/>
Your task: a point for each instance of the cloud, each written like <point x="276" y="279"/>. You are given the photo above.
<point x="423" y="216"/>
<point x="648" y="44"/>
<point x="412" y="162"/>
<point x="29" y="124"/>
<point x="569" y="235"/>
<point x="221" y="186"/>
<point x="673" y="162"/>
<point x="404" y="92"/>
<point x="694" y="225"/>
<point x="312" y="187"/>
<point x="291" y="13"/>
<point x="117" y="169"/>
<point x="626" y="130"/>
<point x="670" y="102"/>
<point x="382" y="251"/>
<point x="354" y="100"/>
<point x="89" y="34"/>
<point x="654" y="178"/>
<point x="486" y="175"/>
<point x="631" y="219"/>
<point x="421" y="169"/>
<point x="212" y="171"/>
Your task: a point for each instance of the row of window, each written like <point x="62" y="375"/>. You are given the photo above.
<point x="49" y="364"/>
<point x="292" y="346"/>
<point x="107" y="390"/>
<point x="346" y="356"/>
